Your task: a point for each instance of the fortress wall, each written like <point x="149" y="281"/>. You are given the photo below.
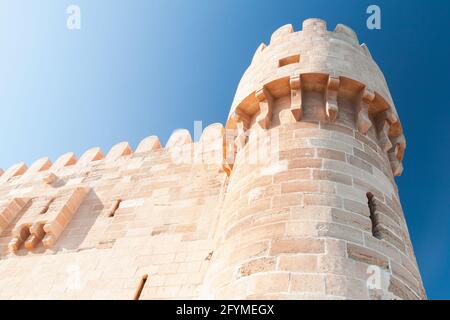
<point x="163" y="227"/>
<point x="296" y="223"/>
<point x="295" y="198"/>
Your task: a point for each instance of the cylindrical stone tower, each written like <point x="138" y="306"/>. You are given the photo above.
<point x="312" y="210"/>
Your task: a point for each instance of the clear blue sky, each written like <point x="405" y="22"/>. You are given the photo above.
<point x="138" y="68"/>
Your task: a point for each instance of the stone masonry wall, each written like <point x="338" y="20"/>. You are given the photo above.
<point x="298" y="226"/>
<point x="294" y="198"/>
<point x="162" y="227"/>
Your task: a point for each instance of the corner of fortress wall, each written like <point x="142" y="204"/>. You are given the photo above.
<point x="294" y="198"/>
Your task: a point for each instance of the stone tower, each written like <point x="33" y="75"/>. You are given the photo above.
<point x="316" y="215"/>
<point x="294" y="198"/>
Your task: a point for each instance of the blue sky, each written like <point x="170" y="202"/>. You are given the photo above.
<point x="138" y="68"/>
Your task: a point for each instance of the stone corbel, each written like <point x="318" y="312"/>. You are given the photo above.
<point x="399" y="144"/>
<point x="363" y="122"/>
<point x="47" y="224"/>
<point x="393" y="120"/>
<point x="396" y="165"/>
<point x="296" y="97"/>
<point x="331" y="106"/>
<point x="265" y="100"/>
<point x="62" y="215"/>
<point x="383" y="134"/>
<point x="19" y="236"/>
<point x="9" y="210"/>
<point x="36" y="234"/>
<point x="242" y="125"/>
<point x="391" y="117"/>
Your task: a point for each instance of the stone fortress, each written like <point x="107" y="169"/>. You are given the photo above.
<point x="294" y="198"/>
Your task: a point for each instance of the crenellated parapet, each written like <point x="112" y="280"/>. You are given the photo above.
<point x="211" y="140"/>
<point x="331" y="66"/>
<point x="38" y="203"/>
<point x="313" y="49"/>
<point x="294" y="198"/>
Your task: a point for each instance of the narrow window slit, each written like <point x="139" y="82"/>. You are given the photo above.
<point x="114" y="207"/>
<point x="289" y="60"/>
<point x="141" y="286"/>
<point x="373" y="215"/>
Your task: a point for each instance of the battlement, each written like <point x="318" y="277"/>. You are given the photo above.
<point x="40" y="201"/>
<point x="318" y="67"/>
<point x="294" y="64"/>
<point x="335" y="52"/>
<point x="208" y="150"/>
<point x="294" y="198"/>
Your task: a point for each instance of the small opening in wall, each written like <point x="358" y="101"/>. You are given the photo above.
<point x="373" y="215"/>
<point x="114" y="207"/>
<point x="289" y="60"/>
<point x="140" y="287"/>
<point x="47" y="206"/>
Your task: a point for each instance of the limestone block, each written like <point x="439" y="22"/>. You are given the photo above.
<point x="363" y="122"/>
<point x="298" y="263"/>
<point x="367" y="256"/>
<point x="296" y="246"/>
<point x="383" y="131"/>
<point x="296" y="97"/>
<point x="399" y="144"/>
<point x="331" y="103"/>
<point x="281" y="32"/>
<point x="256" y="266"/>
<point x="9" y="210"/>
<point x="212" y="144"/>
<point x="258" y="51"/>
<point x="347" y="33"/>
<point x="213" y="134"/>
<point x="15" y="170"/>
<point x="308" y="283"/>
<point x="401" y="290"/>
<point x="39" y="165"/>
<point x="65" y="160"/>
<point x="396" y="165"/>
<point x="149" y="144"/>
<point x="179" y="138"/>
<point x="242" y="121"/>
<point x="93" y="154"/>
<point x="49" y="178"/>
<point x="339" y="285"/>
<point x="265" y="99"/>
<point x="119" y="150"/>
<point x="391" y="117"/>
<point x="268" y="283"/>
<point x="314" y="25"/>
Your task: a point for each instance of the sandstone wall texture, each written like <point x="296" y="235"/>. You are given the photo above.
<point x="294" y="198"/>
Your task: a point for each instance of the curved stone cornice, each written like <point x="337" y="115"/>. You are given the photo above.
<point x="371" y="108"/>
